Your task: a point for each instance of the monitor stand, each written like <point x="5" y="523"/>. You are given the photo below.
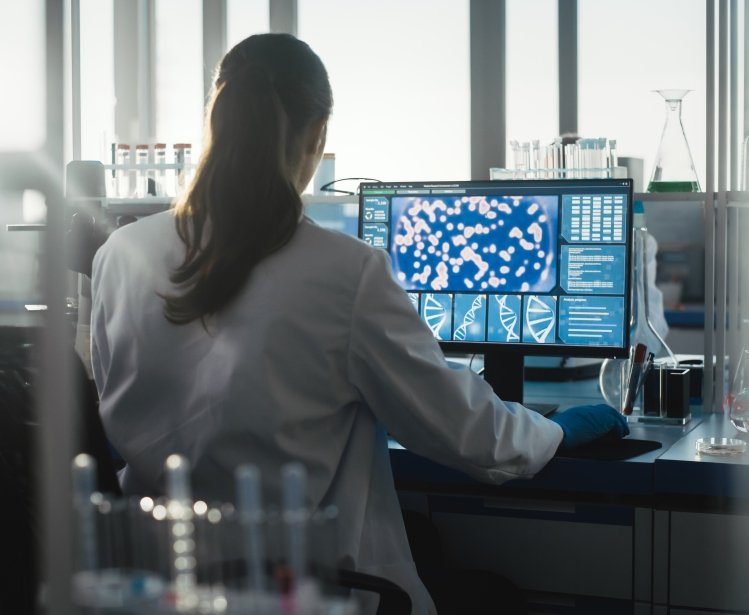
<point x="504" y="372"/>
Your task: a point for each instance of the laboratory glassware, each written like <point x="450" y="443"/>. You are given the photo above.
<point x="141" y="162"/>
<point x="585" y="158"/>
<point x="641" y="329"/>
<point x="183" y="162"/>
<point x="674" y="168"/>
<point x="739" y="396"/>
<point x="159" y="152"/>
<point x="251" y="517"/>
<point x="123" y="172"/>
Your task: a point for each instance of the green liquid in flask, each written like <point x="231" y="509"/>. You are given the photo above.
<point x="673" y="186"/>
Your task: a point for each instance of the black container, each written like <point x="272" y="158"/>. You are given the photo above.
<point x="666" y="392"/>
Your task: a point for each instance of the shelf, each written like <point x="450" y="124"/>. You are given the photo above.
<point x="733" y="197"/>
<point x="137" y="206"/>
<point x="651" y="197"/>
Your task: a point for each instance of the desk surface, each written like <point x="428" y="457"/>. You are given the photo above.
<point x="673" y="471"/>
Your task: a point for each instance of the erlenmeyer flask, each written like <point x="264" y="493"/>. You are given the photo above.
<point x="740" y="394"/>
<point x="674" y="168"/>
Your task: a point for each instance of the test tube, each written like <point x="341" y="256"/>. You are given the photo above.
<point x="123" y="183"/>
<point x="294" y="480"/>
<point x="249" y="501"/>
<point x="159" y="152"/>
<point x="182" y="540"/>
<point x="141" y="162"/>
<point x="613" y="156"/>
<point x="183" y="160"/>
<point x="84" y="486"/>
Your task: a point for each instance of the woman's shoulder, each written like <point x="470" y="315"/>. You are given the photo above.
<point x="149" y="236"/>
<point x="146" y="230"/>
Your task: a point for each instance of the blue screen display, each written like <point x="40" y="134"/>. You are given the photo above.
<point x="542" y="264"/>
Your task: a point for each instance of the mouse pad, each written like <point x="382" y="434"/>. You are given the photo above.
<point x="614" y="450"/>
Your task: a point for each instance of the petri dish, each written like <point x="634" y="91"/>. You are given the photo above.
<point x="720" y="446"/>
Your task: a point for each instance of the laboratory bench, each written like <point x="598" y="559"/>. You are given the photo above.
<point x="600" y="531"/>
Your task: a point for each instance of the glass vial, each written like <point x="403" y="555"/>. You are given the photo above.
<point x="183" y="162"/>
<point x="122" y="173"/>
<point x="674" y="169"/>
<point x="160" y="185"/>
<point x="141" y="162"/>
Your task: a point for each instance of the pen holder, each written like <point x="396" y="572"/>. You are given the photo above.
<point x="666" y="395"/>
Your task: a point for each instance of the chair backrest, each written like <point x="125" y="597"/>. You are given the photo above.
<point x="18" y="436"/>
<point x="393" y="599"/>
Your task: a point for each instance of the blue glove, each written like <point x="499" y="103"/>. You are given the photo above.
<point x="583" y="424"/>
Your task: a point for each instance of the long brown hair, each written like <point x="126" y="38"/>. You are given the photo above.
<point x="242" y="204"/>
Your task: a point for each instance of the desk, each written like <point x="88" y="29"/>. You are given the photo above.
<point x="660" y="533"/>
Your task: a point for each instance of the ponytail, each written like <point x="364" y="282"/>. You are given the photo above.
<point x="243" y="205"/>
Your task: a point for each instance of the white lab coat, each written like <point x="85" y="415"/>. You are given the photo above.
<point x="317" y="357"/>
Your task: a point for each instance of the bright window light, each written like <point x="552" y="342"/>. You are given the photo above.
<point x="401" y="85"/>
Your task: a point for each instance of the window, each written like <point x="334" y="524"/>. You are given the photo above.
<point x="97" y="79"/>
<point x="245" y="17"/>
<point x="532" y="83"/>
<point x="626" y="50"/>
<point x="22" y="72"/>
<point x="401" y="85"/>
<point x="179" y="71"/>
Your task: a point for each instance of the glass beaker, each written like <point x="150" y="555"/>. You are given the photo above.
<point x="641" y="328"/>
<point x="674" y="168"/>
<point x="740" y="394"/>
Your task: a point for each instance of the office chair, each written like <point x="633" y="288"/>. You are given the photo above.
<point x="19" y="514"/>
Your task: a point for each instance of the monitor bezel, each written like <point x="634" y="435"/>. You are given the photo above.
<point x="461" y="347"/>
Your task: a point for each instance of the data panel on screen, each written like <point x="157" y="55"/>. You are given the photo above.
<point x="533" y="263"/>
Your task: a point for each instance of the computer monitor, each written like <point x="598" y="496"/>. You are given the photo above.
<point x="510" y="268"/>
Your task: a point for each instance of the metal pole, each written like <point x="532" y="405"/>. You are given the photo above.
<point x="708" y="379"/>
<point x="488" y="106"/>
<point x="567" y="24"/>
<point x="733" y="220"/>
<point x="721" y="213"/>
<point x="283" y="16"/>
<point x="125" y="70"/>
<point x="55" y="403"/>
<point x="214" y="39"/>
<point x="146" y="71"/>
<point x="75" y="57"/>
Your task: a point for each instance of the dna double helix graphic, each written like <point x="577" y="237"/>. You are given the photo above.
<point x="468" y="318"/>
<point x="508" y="318"/>
<point x="435" y="315"/>
<point x="539" y="317"/>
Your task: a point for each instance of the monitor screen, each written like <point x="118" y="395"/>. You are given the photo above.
<point x="529" y="266"/>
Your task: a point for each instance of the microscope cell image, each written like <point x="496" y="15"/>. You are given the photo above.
<point x="478" y="244"/>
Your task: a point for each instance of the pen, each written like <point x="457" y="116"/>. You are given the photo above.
<point x="638" y="363"/>
<point x="646" y="369"/>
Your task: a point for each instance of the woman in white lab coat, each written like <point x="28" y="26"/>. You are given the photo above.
<point x="234" y="330"/>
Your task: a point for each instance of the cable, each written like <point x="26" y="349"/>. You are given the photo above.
<point x="327" y="187"/>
